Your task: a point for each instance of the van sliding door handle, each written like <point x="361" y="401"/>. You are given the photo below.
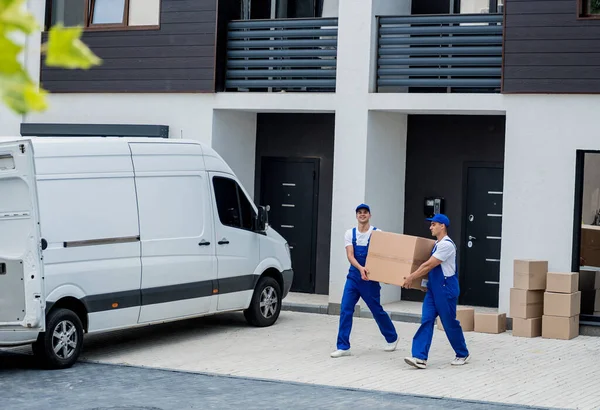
<point x="223" y="242"/>
<point x="204" y="243"/>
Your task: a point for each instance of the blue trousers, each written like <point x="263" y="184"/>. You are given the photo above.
<point x="371" y="293"/>
<point x="441" y="299"/>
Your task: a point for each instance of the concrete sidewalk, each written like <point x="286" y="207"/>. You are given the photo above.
<point x="504" y="369"/>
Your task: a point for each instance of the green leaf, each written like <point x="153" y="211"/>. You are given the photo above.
<point x="14" y="16"/>
<point x="9" y="61"/>
<point x="20" y="94"/>
<point x="65" y="49"/>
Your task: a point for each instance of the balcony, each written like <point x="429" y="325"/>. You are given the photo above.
<point x="443" y="53"/>
<point x="440" y="53"/>
<point x="282" y="55"/>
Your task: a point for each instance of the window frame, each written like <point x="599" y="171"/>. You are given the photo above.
<point x="239" y="192"/>
<point x="90" y="17"/>
<point x="87" y="19"/>
<point x="582" y="15"/>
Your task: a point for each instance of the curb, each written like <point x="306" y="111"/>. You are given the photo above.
<point x="324" y="310"/>
<point x="362" y="313"/>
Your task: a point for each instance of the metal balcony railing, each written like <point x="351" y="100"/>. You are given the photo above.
<point x="284" y="54"/>
<point x="443" y="53"/>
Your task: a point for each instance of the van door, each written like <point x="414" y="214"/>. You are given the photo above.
<point x="238" y="246"/>
<point x="21" y="270"/>
<point x="176" y="231"/>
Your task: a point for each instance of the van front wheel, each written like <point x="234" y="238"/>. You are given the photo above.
<point x="59" y="346"/>
<point x="266" y="303"/>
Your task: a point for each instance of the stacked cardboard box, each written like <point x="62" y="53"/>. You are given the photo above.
<point x="527" y="297"/>
<point x="562" y="305"/>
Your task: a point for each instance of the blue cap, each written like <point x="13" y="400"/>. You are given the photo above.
<point x="363" y="206"/>
<point x="440" y="218"/>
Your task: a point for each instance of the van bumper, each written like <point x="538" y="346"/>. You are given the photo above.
<point x="17" y="337"/>
<point x="288" y="277"/>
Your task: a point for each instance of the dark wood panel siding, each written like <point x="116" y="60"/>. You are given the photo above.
<point x="178" y="57"/>
<point x="547" y="49"/>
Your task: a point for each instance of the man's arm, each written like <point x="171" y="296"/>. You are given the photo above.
<point x="354" y="262"/>
<point x="444" y="251"/>
<point x="422" y="271"/>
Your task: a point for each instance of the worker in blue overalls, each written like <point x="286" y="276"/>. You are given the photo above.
<point x="441" y="297"/>
<point x="357" y="242"/>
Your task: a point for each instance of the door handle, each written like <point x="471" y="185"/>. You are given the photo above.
<point x="204" y="243"/>
<point x="223" y="241"/>
<point x="472" y="237"/>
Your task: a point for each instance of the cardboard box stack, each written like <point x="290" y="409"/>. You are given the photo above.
<point x="527" y="297"/>
<point x="392" y="257"/>
<point x="562" y="305"/>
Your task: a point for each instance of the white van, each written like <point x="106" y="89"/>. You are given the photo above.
<point x="99" y="234"/>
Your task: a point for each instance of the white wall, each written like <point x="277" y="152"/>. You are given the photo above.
<point x="386" y="169"/>
<point x="188" y="116"/>
<point x="542" y="136"/>
<point x="234" y="138"/>
<point x="591" y="187"/>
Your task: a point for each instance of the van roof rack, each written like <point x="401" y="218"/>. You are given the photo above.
<point x="94" y="130"/>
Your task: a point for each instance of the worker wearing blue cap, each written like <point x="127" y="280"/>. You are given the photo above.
<point x="358" y="285"/>
<point x="441" y="297"/>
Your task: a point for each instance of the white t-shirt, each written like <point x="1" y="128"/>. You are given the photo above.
<point x="362" y="238"/>
<point x="446" y="252"/>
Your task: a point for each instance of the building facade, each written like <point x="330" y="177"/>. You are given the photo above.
<point x="483" y="107"/>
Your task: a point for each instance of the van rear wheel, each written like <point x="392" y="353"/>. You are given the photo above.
<point x="60" y="345"/>
<point x="266" y="303"/>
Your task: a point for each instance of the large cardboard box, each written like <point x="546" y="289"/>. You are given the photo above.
<point x="392" y="257"/>
<point x="562" y="282"/>
<point x="490" y="322"/>
<point x="590" y="245"/>
<point x="530" y="274"/>
<point x="527" y="327"/>
<point x="562" y="304"/>
<point x="466" y="317"/>
<point x="564" y="328"/>
<point x="526" y="304"/>
<point x="589" y="280"/>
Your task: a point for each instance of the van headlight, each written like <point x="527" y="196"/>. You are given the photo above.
<point x="287" y="249"/>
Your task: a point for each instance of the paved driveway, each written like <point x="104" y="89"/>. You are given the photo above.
<point x="107" y="387"/>
<point x="504" y="369"/>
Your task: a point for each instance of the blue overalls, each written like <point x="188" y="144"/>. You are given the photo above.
<point x="441" y="299"/>
<point x="370" y="291"/>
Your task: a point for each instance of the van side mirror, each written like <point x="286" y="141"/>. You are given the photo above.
<point x="262" y="219"/>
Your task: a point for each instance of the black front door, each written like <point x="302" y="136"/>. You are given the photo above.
<point x="480" y="276"/>
<point x="289" y="186"/>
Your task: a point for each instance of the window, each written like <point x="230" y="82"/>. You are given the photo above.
<point x="234" y="208"/>
<point x="589" y="8"/>
<point x="108" y="12"/>
<point x="105" y="14"/>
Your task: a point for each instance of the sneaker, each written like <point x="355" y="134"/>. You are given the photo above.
<point x="459" y="361"/>
<point x="418" y="363"/>
<point x="390" y="347"/>
<point x="340" y="353"/>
